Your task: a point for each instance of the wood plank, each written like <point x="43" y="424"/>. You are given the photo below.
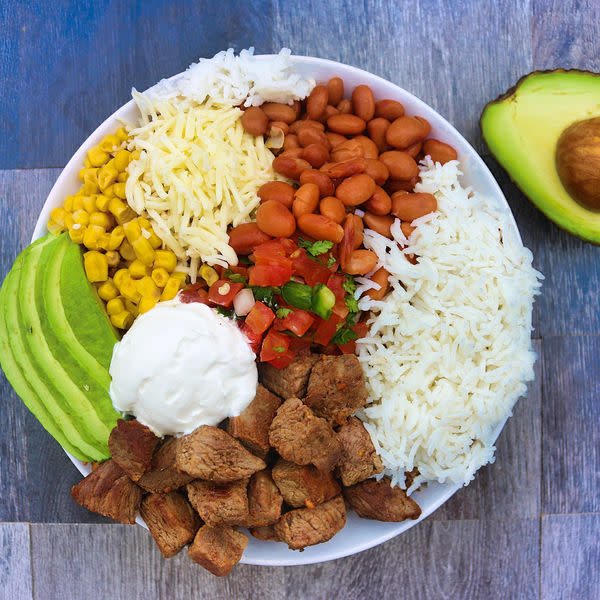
<point x="425" y="47"/>
<point x="70" y="65"/>
<point x="15" y="563"/>
<point x="570" y="417"/>
<point x="565" y="34"/>
<point x="570" y="555"/>
<point x="510" y="487"/>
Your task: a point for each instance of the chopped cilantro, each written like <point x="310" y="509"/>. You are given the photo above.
<point x="244" y="260"/>
<point x="225" y="312"/>
<point x="315" y="248"/>
<point x="282" y="313"/>
<point x="266" y="295"/>
<point x="349" y="284"/>
<point x="351" y="303"/>
<point x="330" y="261"/>
<point x="352" y="319"/>
<point x="344" y="335"/>
<point x="235" y="277"/>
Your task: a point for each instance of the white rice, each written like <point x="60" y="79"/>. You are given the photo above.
<point x="448" y="352"/>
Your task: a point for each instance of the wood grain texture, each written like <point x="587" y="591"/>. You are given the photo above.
<point x="570" y="553"/>
<point x="71" y="64"/>
<point x="15" y="563"/>
<point x="570" y="417"/>
<point x="417" y="45"/>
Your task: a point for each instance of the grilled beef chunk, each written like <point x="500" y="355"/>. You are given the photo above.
<point x="171" y="521"/>
<point x="359" y="460"/>
<point x="302" y="438"/>
<point x="211" y="453"/>
<point x="336" y="388"/>
<point x="220" y="503"/>
<point x="252" y="426"/>
<point x="265" y="533"/>
<point x="131" y="445"/>
<point x="108" y="491"/>
<point x="264" y="500"/>
<point x="289" y="382"/>
<point x="218" y="549"/>
<point x="308" y="526"/>
<point x="304" y="485"/>
<point x="163" y="476"/>
<point x="378" y="500"/>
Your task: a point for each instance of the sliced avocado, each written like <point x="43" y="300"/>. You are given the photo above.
<point x="23" y="375"/>
<point x="522" y="128"/>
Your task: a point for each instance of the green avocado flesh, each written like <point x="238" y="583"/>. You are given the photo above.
<point x="56" y="344"/>
<point x="522" y="128"/>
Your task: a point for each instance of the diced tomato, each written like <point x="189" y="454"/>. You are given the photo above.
<point x="289" y="245"/>
<point x="239" y="269"/>
<point x="253" y="338"/>
<point x="340" y="309"/>
<point x="270" y="250"/>
<point x="274" y="346"/>
<point x="284" y="360"/>
<point x="278" y="325"/>
<point x="223" y="291"/>
<point x="298" y="321"/>
<point x="349" y="348"/>
<point x="310" y="270"/>
<point x="336" y="284"/>
<point x="220" y="270"/>
<point x="194" y="293"/>
<point x="326" y="330"/>
<point x="347" y="243"/>
<point x="268" y="274"/>
<point x="300" y="346"/>
<point x="361" y="330"/>
<point x="259" y="318"/>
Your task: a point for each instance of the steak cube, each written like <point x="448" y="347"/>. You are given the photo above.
<point x="378" y="500"/>
<point x="304" y="485"/>
<point x="211" y="453"/>
<point x="264" y="500"/>
<point x="302" y="438"/>
<point x="252" y="426"/>
<point x="132" y="445"/>
<point x="336" y="388"/>
<point x="171" y="521"/>
<point x="291" y="381"/>
<point x="359" y="460"/>
<point x="218" y="549"/>
<point x="265" y="533"/>
<point x="309" y="526"/>
<point x="220" y="503"/>
<point x="163" y="476"/>
<point x="108" y="491"/>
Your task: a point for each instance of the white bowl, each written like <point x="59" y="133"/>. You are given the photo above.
<point x="358" y="534"/>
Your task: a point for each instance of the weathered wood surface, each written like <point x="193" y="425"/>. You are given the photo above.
<point x="65" y="67"/>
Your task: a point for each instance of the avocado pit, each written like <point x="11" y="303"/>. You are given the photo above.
<point x="578" y="162"/>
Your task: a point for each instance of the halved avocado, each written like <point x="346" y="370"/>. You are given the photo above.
<point x="522" y="128"/>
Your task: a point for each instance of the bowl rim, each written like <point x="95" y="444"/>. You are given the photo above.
<point x="56" y="196"/>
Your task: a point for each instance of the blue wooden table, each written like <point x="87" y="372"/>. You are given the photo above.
<point x="529" y="525"/>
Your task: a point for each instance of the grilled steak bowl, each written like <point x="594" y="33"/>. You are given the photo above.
<point x="438" y="476"/>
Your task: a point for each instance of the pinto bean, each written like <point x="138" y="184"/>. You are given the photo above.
<point x="439" y="151"/>
<point x="322" y="181"/>
<point x="320" y="227"/>
<point x="345" y="169"/>
<point x="255" y="121"/>
<point x="400" y="164"/>
<point x="310" y="135"/>
<point x="379" y="203"/>
<point x="408" y="207"/>
<point x="335" y="90"/>
<point x="306" y="199"/>
<point x="380" y="277"/>
<point x="279" y="125"/>
<point x="346" y="124"/>
<point x="297" y="106"/>
<point x="274" y="219"/>
<point x="335" y="138"/>
<point x="245" y="237"/>
<point x="361" y="262"/>
<point x="292" y="153"/>
<point x="396" y="185"/>
<point x="405" y="131"/>
<point x="316" y="102"/>
<point x="359" y="228"/>
<point x="426" y="125"/>
<point x="345" y="106"/>
<point x="329" y="112"/>
<point x="377" y="170"/>
<point x="316" y="155"/>
<point x="347" y="150"/>
<point x="379" y="223"/>
<point x="369" y="147"/>
<point x="277" y="190"/>
<point x="291" y="141"/>
<point x="363" y="101"/>
<point x="276" y="111"/>
<point x="296" y="126"/>
<point x="290" y="167"/>
<point x="414" y="149"/>
<point x="389" y="109"/>
<point x="407" y="229"/>
<point x="332" y="207"/>
<point x="356" y="189"/>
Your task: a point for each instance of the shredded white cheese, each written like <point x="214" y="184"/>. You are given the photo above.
<point x="448" y="351"/>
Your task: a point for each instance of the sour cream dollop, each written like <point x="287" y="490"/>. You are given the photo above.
<point x="181" y="366"/>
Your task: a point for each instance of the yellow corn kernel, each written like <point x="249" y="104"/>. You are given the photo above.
<point x="58" y="215"/>
<point x="144" y="223"/>
<point x="79" y="192"/>
<point x="127" y="251"/>
<point x="92" y="235"/>
<point x="143" y="250"/>
<point x="54" y="227"/>
<point x="122" y="212"/>
<point x="137" y="269"/>
<point x="90" y="181"/>
<point x="170" y="290"/>
<point x="160" y="276"/>
<point x="87" y="163"/>
<point x="76" y="233"/>
<point x="68" y="203"/>
<point x="81" y="216"/>
<point x="135" y="155"/>
<point x="132" y="230"/>
<point x="78" y="203"/>
<point x="129" y="290"/>
<point x="113" y="258"/>
<point x="132" y="307"/>
<point x="90" y="187"/>
<point x="122" y="320"/>
<point x="101" y="219"/>
<point x="115" y="306"/>
<point x="116" y="238"/>
<point x="181" y="277"/>
<point x="146" y="287"/>
<point x="108" y="290"/>
<point x="208" y="274"/>
<point x="102" y="202"/>
<point x="123" y="177"/>
<point x="121" y="160"/>
<point x="146" y="303"/>
<point x="103" y="243"/>
<point x="154" y="240"/>
<point x="165" y="259"/>
<point x="83" y="171"/>
<point x="97" y="157"/>
<point x="107" y="175"/>
<point x="96" y="266"/>
<point x="121" y="133"/>
<point x="69" y="221"/>
<point x="109" y="143"/>
<point x="89" y="203"/>
<point x="108" y="191"/>
<point x="120" y="276"/>
<point x="119" y="190"/>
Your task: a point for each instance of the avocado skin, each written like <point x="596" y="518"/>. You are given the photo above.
<point x="62" y="379"/>
<point x="547" y="193"/>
